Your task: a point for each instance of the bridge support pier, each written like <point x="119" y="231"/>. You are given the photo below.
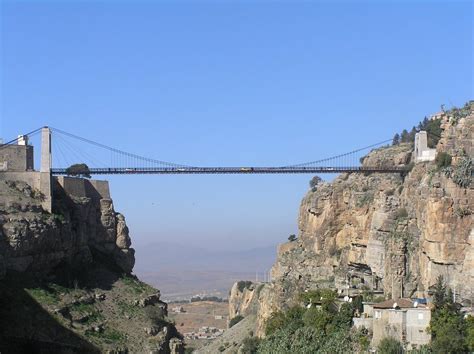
<point x="45" y="170"/>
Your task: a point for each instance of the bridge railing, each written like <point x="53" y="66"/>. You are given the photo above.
<point x="231" y="170"/>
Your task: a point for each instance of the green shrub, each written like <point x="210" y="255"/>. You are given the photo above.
<point x="243" y="284"/>
<point x="433" y="128"/>
<point x="442" y="160"/>
<point x="58" y="218"/>
<point x="250" y="345"/>
<point x="401" y="214"/>
<point x="275" y="322"/>
<point x="44" y="296"/>
<point x="279" y="320"/>
<point x="463" y="172"/>
<point x="462" y="212"/>
<point x="292" y="238"/>
<point x="136" y="285"/>
<point x="79" y="169"/>
<point x="324" y="329"/>
<point x="313" y="183"/>
<point x="459" y="113"/>
<point x="424" y="349"/>
<point x="108" y="335"/>
<point x="235" y="320"/>
<point x="317" y="318"/>
<point x="390" y="345"/>
<point x="362" y="339"/>
<point x="324" y="296"/>
<point x="378" y="299"/>
<point x="367" y="198"/>
<point x="306" y="340"/>
<point x="470" y="333"/>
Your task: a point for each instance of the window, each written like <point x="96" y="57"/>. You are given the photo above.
<point x="378" y="314"/>
<point x="420" y="315"/>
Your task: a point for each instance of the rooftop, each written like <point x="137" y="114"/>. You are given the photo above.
<point x="400" y="303"/>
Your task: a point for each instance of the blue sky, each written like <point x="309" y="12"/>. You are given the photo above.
<point x="229" y="83"/>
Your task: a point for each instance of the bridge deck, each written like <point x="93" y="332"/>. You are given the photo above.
<point x="234" y="170"/>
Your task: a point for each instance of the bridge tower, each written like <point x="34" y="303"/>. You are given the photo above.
<point x="45" y="150"/>
<point x="422" y="152"/>
<point x="45" y="170"/>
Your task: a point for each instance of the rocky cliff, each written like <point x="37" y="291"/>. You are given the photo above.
<point x="65" y="276"/>
<point x="35" y="241"/>
<point x="386" y="234"/>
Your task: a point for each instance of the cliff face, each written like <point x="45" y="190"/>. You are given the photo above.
<point x="34" y="241"/>
<point x="387" y="233"/>
<point x="65" y="282"/>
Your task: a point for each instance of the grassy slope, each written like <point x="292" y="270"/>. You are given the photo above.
<point x="57" y="316"/>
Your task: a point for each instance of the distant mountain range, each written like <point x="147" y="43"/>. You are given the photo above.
<point x="180" y="271"/>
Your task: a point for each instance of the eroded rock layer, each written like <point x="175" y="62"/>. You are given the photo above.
<point x="32" y="240"/>
<point x="386" y="233"/>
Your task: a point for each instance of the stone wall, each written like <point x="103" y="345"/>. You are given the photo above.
<point x="77" y="228"/>
<point x="418" y="321"/>
<point x="17" y="157"/>
<point x="84" y="188"/>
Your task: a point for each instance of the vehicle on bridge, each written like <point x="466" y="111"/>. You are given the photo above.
<point x="246" y="169"/>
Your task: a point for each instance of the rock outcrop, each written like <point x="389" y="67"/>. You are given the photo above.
<point x="65" y="282"/>
<point x="385" y="233"/>
<point x="35" y="241"/>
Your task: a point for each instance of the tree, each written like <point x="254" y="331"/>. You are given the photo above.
<point x="250" y="345"/>
<point x="292" y="318"/>
<point x="396" y="139"/>
<point x="470" y="333"/>
<point x="390" y="345"/>
<point x="275" y="322"/>
<point x="433" y="128"/>
<point x="292" y="238"/>
<point x="404" y="138"/>
<point x="314" y="183"/>
<point x="411" y="136"/>
<point x="448" y="330"/>
<point x="343" y="319"/>
<point x="318" y="319"/>
<point x="447" y="325"/>
<point x="439" y="293"/>
<point x="78" y="169"/>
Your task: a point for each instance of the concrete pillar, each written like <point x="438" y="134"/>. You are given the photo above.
<point x="421" y="142"/>
<point x="45" y="171"/>
<point x="45" y="150"/>
<point x="422" y="152"/>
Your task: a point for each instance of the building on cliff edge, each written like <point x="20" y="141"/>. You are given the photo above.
<point x="403" y="319"/>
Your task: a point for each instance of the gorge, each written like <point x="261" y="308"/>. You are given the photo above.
<point x="66" y="282"/>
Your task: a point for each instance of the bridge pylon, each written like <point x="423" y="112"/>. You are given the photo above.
<point x="45" y="170"/>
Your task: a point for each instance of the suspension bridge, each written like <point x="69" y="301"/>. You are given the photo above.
<point x="69" y="149"/>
